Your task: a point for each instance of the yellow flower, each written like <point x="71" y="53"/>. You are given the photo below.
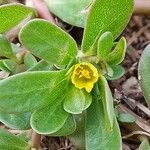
<point x="84" y="76"/>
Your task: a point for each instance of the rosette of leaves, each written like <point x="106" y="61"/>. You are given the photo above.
<point x="76" y="82"/>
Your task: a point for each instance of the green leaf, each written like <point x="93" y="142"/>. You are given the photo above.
<point x="13" y="121"/>
<point x="9" y="147"/>
<point x="126" y="118"/>
<point x="78" y="137"/>
<point x="118" y="72"/>
<point x="107" y="100"/>
<point x="105" y="15"/>
<point x="3" y="67"/>
<point x="74" y="12"/>
<point x="13" y="14"/>
<point x="145" y="143"/>
<point x="97" y="137"/>
<point x="5" y="48"/>
<point x="41" y="66"/>
<point x="67" y="129"/>
<point x="48" y="42"/>
<point x="76" y="100"/>
<point x="118" y="54"/>
<point x="144" y="73"/>
<point x="10" y="140"/>
<point x="10" y="65"/>
<point x="50" y="119"/>
<point x="105" y="44"/>
<point x="30" y="90"/>
<point x="29" y="60"/>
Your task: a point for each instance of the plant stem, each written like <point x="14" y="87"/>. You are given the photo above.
<point x="142" y="7"/>
<point x="36" y="140"/>
<point x="43" y="10"/>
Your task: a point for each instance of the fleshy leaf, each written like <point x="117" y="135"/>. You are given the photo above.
<point x="126" y="118"/>
<point x="48" y="42"/>
<point x="67" y="129"/>
<point x="74" y="12"/>
<point x="96" y="135"/>
<point x="13" y="121"/>
<point x="144" y="73"/>
<point x="41" y="65"/>
<point x="78" y="137"/>
<point x="13" y="14"/>
<point x="10" y="65"/>
<point x="118" y="54"/>
<point x="9" y="147"/>
<point x="118" y="72"/>
<point x="10" y="140"/>
<point x="145" y="145"/>
<point x="76" y="100"/>
<point x="3" y="67"/>
<point x="107" y="100"/>
<point x="5" y="48"/>
<point x="50" y="119"/>
<point x="105" y="44"/>
<point x="30" y="90"/>
<point x="29" y="60"/>
<point x="105" y="15"/>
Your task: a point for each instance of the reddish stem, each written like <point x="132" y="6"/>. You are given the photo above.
<point x="43" y="11"/>
<point x="142" y="7"/>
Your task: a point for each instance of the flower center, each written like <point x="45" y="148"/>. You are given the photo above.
<point x="84" y="76"/>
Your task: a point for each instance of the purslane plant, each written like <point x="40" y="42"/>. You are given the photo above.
<point x="74" y="84"/>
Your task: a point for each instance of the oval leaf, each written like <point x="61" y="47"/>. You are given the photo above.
<point x="13" y="121"/>
<point x="9" y="147"/>
<point x="118" y="72"/>
<point x="29" y="60"/>
<point x="67" y="129"/>
<point x="41" y="66"/>
<point x="10" y="65"/>
<point x="107" y="101"/>
<point x="105" y="15"/>
<point x="76" y="100"/>
<point x="13" y="14"/>
<point x="126" y="118"/>
<point x="5" y="48"/>
<point x="11" y="140"/>
<point x="49" y="119"/>
<point x="96" y="135"/>
<point x="30" y="90"/>
<point x="144" y="73"/>
<point x="74" y="12"/>
<point x="118" y="54"/>
<point x="48" y="42"/>
<point x="105" y="44"/>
